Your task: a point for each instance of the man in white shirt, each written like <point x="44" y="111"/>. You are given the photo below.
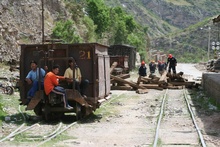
<point x="80" y="84"/>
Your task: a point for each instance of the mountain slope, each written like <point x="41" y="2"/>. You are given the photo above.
<point x="174" y="25"/>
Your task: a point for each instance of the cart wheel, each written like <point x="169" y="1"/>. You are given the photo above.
<point x="38" y="109"/>
<point x="9" y="90"/>
<point x="78" y="111"/>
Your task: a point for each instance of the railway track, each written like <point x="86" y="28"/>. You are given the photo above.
<point x="176" y="125"/>
<point x="48" y="131"/>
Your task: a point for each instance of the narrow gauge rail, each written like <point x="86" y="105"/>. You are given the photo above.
<point x="184" y="128"/>
<point x="42" y="138"/>
<point x="16" y="130"/>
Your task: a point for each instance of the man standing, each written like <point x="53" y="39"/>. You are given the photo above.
<point x="171" y="62"/>
<point x="152" y="67"/>
<point x="80" y="84"/>
<point x="33" y="77"/>
<point x="161" y="67"/>
<point x="51" y="82"/>
<point x="142" y="71"/>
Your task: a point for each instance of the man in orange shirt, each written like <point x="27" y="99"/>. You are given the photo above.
<point x="51" y="82"/>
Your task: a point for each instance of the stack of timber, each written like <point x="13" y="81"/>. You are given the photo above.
<point x="165" y="81"/>
<point x="119" y="82"/>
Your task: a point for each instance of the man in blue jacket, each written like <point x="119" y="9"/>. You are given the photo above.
<point x="142" y="71"/>
<point x="171" y="62"/>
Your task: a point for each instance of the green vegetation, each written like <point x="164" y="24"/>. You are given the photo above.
<point x="204" y="103"/>
<point x="101" y="23"/>
<point x="138" y="24"/>
<point x="2" y="113"/>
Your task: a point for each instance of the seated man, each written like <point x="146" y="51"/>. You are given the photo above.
<point x="80" y="84"/>
<point x="51" y="82"/>
<point x="33" y="78"/>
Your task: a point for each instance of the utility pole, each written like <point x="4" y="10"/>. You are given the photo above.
<point x="209" y="42"/>
<point x="42" y="2"/>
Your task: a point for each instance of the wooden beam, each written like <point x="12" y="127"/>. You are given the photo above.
<point x="142" y="91"/>
<point x="132" y="84"/>
<point x="121" y="88"/>
<point x="113" y="66"/>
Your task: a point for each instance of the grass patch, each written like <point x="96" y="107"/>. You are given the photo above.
<point x="204" y="103"/>
<point x="2" y="112"/>
<point x="107" y="109"/>
<point x="27" y="138"/>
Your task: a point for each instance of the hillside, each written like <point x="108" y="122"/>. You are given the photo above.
<point x="172" y="25"/>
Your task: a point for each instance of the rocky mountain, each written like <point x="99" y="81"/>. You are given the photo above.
<point x="21" y="22"/>
<point x="172" y="24"/>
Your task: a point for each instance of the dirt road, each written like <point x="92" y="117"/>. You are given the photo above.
<point x="129" y="119"/>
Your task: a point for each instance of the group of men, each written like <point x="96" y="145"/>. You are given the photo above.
<point x="50" y="81"/>
<point x="162" y="66"/>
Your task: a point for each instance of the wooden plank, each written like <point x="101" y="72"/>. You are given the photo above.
<point x="163" y="78"/>
<point x="113" y="66"/>
<point x="182" y="83"/>
<point x="152" y="86"/>
<point x="121" y="88"/>
<point x="123" y="76"/>
<point x="132" y="84"/>
<point x="142" y="91"/>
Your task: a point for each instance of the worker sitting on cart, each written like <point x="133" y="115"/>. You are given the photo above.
<point x="80" y="84"/>
<point x="51" y="84"/>
<point x="33" y="77"/>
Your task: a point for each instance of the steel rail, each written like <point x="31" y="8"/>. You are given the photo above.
<point x="54" y="135"/>
<point x="159" y="120"/>
<point x="194" y="121"/>
<point x="191" y="114"/>
<point x="54" y="132"/>
<point x="16" y="130"/>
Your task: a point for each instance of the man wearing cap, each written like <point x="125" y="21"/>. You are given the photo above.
<point x="33" y="77"/>
<point x="161" y="67"/>
<point x="152" y="67"/>
<point x="171" y="62"/>
<point x="142" y="71"/>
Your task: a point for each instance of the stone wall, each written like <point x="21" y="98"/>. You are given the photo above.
<point x="211" y="84"/>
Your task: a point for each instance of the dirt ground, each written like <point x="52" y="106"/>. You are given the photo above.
<point x="129" y="119"/>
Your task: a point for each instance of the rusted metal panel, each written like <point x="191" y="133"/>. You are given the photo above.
<point x="91" y="58"/>
<point x="125" y="51"/>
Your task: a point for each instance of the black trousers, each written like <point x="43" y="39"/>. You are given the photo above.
<point x="81" y="87"/>
<point x="173" y="68"/>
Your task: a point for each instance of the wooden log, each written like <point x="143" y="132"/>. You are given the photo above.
<point x="132" y="84"/>
<point x="182" y="83"/>
<point x="152" y="86"/>
<point x="113" y="66"/>
<point x="163" y="78"/>
<point x="172" y="87"/>
<point x="142" y="91"/>
<point x="121" y="88"/>
<point x="123" y="76"/>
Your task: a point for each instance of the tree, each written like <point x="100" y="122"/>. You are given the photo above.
<point x="66" y="32"/>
